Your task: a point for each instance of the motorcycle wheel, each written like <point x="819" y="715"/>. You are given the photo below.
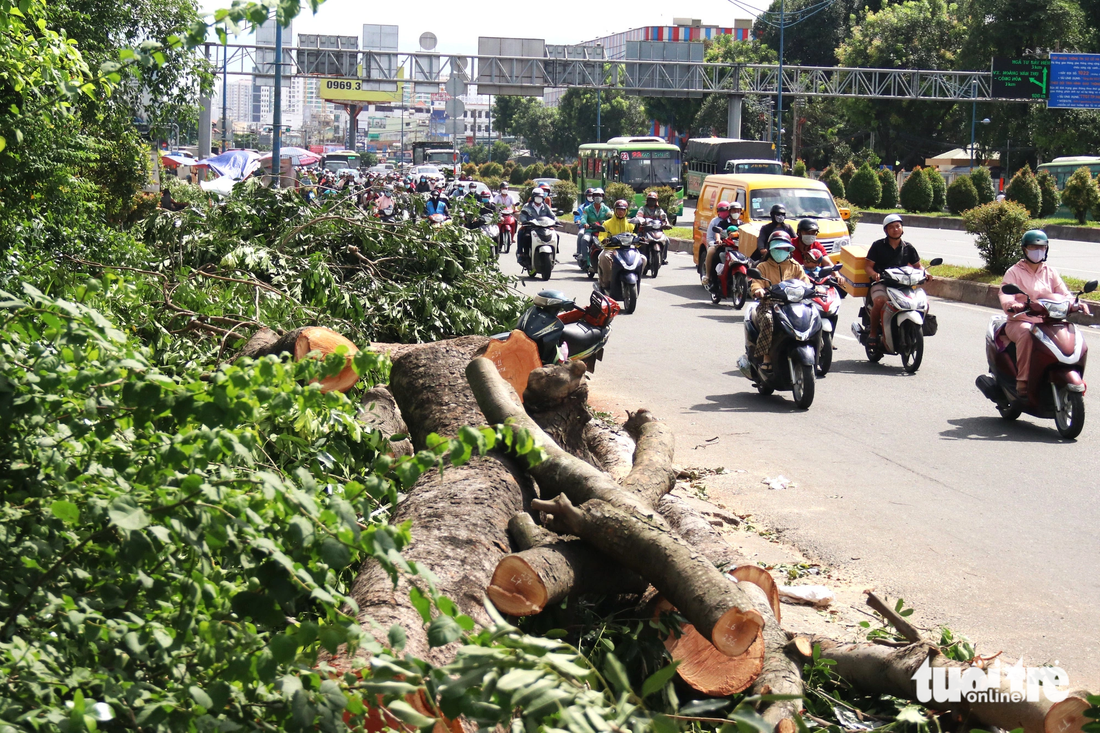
<point x="506" y="242"/>
<point x="545" y="266"/>
<point x="1070" y="420"/>
<point x="1009" y="413"/>
<point x="763" y="388"/>
<point x="803" y="385"/>
<point x="824" y="354"/>
<point x="654" y="265"/>
<point x="873" y="356"/>
<point x="913" y="352"/>
<point x="715" y="296"/>
<point x="630" y="297"/>
<point x="740" y="292"/>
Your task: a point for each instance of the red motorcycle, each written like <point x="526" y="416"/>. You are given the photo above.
<point x="508" y="228"/>
<point x="1056" y="378"/>
<point x="826" y="300"/>
<point x="732" y="270"/>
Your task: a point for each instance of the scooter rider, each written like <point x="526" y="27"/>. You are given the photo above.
<point x="807" y="250"/>
<point x="728" y="213"/>
<point x="596" y="213"/>
<point x="437" y="204"/>
<point x="504" y="198"/>
<point x="423" y="186"/>
<point x="615" y="225"/>
<point x="652" y="210"/>
<point x="890" y="251"/>
<point x="778" y="223"/>
<point x="776" y="267"/>
<point x="536" y="208"/>
<point x="1037" y="279"/>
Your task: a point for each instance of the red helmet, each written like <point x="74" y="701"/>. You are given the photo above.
<point x="621" y="204"/>
<point x="723" y="207"/>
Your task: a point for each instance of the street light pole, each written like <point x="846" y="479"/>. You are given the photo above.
<point x="277" y="113"/>
<point x="973" y="118"/>
<point x="779" y="85"/>
<point x="225" y="90"/>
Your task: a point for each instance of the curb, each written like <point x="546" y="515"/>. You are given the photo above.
<point x="1054" y="231"/>
<point x="675" y="245"/>
<point x="965" y="291"/>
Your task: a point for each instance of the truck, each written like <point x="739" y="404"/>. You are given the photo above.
<point x="440" y="153"/>
<point x="707" y="155"/>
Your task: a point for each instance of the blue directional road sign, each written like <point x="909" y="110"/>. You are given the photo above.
<point x="1074" y="80"/>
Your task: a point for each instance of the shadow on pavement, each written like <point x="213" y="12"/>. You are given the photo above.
<point x="730" y="317"/>
<point x="748" y="401"/>
<point x="689" y="291"/>
<point x="862" y="366"/>
<point x="996" y="428"/>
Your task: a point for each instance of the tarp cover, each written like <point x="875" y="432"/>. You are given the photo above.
<point x="235" y="163"/>
<point x="718" y="150"/>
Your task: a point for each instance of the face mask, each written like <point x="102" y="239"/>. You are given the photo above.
<point x="780" y="218"/>
<point x="597" y="201"/>
<point x="780" y="255"/>
<point x="538" y="200"/>
<point x="1035" y="255"/>
<point x="808" y="238"/>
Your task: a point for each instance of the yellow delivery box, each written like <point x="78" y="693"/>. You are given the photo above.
<point x="853" y="270"/>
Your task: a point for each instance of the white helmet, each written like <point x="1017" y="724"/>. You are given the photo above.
<point x="891" y="219"/>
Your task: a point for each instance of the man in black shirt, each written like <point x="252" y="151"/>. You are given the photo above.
<point x="890" y="251"/>
<point x="779" y="222"/>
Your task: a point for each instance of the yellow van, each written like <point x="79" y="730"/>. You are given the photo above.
<point x="757" y="193"/>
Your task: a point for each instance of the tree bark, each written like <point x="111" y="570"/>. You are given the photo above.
<point x="379" y="411"/>
<point x="779" y="674"/>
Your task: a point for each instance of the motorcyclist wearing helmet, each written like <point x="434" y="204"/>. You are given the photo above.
<point x="1037" y="280"/>
<point x="776" y="267"/>
<point x="437" y="204"/>
<point x="807" y="250"/>
<point x="578" y="219"/>
<point x="653" y="210"/>
<point x="504" y="198"/>
<point x="778" y="223"/>
<point x="728" y="214"/>
<point x="423" y="185"/>
<point x="595" y="214"/>
<point x="890" y="251"/>
<point x="617" y="224"/>
<point x="535" y="208"/>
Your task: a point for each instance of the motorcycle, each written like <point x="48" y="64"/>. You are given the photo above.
<point x="488" y="228"/>
<point x="653" y="242"/>
<point x="438" y="220"/>
<point x="544" y="246"/>
<point x="1056" y="377"/>
<point x="905" y="318"/>
<point x="627" y="266"/>
<point x="507" y="229"/>
<point x="573" y="335"/>
<point x="732" y="270"/>
<point x="826" y="300"/>
<point x="591" y="244"/>
<point x="796" y="324"/>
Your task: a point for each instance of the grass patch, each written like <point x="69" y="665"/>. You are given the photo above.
<point x="981" y="275"/>
<point x="1068" y="221"/>
<point x="679" y="233"/>
<point x="903" y="212"/>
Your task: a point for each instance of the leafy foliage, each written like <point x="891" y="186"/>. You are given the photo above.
<point x="1000" y="226"/>
<point x="1081" y="193"/>
<point x="1024" y="189"/>
<point x="865" y="189"/>
<point x="889" y="183"/>
<point x="961" y="195"/>
<point x="665" y="196"/>
<point x="939" y="188"/>
<point x="916" y="192"/>
<point x="564" y="194"/>
<point x="831" y="179"/>
<point x="1049" y="189"/>
<point x="846" y="174"/>
<point x="615" y="191"/>
<point x="983" y="184"/>
<point x="799" y="168"/>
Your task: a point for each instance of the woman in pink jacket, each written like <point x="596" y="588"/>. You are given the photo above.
<point x="1037" y="279"/>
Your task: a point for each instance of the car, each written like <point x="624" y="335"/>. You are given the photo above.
<point x="477" y="187"/>
<point x="547" y="181"/>
<point x="435" y="176"/>
<point x="382" y="169"/>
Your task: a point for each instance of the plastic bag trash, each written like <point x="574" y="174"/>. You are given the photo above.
<point x="848" y="719"/>
<point x="815" y="595"/>
<point x="778" y="483"/>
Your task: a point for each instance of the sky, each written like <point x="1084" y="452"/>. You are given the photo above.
<point x="458" y="23"/>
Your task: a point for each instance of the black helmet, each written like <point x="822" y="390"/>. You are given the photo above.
<point x="808" y="226"/>
<point x="777" y="211"/>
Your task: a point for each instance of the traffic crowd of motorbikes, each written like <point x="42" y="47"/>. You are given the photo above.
<point x="1036" y="358"/>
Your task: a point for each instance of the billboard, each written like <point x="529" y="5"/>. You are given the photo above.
<point x="1074" y="80"/>
<point x="355" y="90"/>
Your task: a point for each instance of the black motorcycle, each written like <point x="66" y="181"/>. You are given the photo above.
<point x="564" y="332"/>
<point x="653" y="243"/>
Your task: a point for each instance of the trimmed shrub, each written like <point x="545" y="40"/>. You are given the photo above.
<point x="1000" y="226"/>
<point x="564" y="174"/>
<point x="846" y="174"/>
<point x="1049" y="188"/>
<point x="865" y="189"/>
<point x="916" y="192"/>
<point x="939" y="189"/>
<point x="469" y="169"/>
<point x="533" y="171"/>
<point x="616" y="191"/>
<point x="889" y="181"/>
<point x="564" y="194"/>
<point x="831" y="179"/>
<point x="853" y="214"/>
<point x="961" y="195"/>
<point x="525" y="191"/>
<point x="516" y="177"/>
<point x="1024" y="189"/>
<point x="1081" y="194"/>
<point x="799" y="168"/>
<point x="493" y="182"/>
<point x="665" y="196"/>
<point x="983" y="184"/>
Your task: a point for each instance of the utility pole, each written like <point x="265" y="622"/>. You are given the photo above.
<point x="599" y="99"/>
<point x="225" y="91"/>
<point x="973" y="118"/>
<point x="779" y="85"/>
<point x="277" y="113"/>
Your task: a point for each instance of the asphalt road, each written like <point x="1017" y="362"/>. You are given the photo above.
<point x="912" y="482"/>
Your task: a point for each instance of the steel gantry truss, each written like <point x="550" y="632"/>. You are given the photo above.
<point x="530" y="75"/>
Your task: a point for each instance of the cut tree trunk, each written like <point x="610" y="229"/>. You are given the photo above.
<point x="459" y="518"/>
<point x="379" y="411"/>
<point x="879" y="669"/>
<point x="778" y="673"/>
<point x="625" y="528"/>
<point x="302" y="341"/>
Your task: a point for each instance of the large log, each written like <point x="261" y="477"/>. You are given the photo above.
<point x="459" y="518"/>
<point x="622" y="526"/>
<point x="778" y="673"/>
<point x="379" y="411"/>
<point x="302" y="341"/>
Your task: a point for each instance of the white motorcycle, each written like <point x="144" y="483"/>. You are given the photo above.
<point x="905" y="318"/>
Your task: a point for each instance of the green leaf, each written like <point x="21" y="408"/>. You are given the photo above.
<point x="284" y="648"/>
<point x="443" y="630"/>
<point x="200" y="697"/>
<point x="446" y="606"/>
<point x="397" y="638"/>
<point x="421" y="604"/>
<point x="66" y="511"/>
<point x="407" y="714"/>
<point x="658" y="679"/>
<point x="335" y="554"/>
<point x="125" y="514"/>
<point x="616" y="674"/>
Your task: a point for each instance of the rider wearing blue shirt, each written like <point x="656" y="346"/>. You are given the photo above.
<point x="437" y="204"/>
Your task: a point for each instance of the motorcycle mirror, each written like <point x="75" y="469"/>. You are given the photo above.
<point x="754" y="273"/>
<point x="1011" y="289"/>
<point x="837" y="268"/>
<point x="935" y="262"/>
<point x="1090" y="286"/>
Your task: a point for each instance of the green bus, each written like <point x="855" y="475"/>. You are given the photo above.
<point x="1063" y="168"/>
<point x="639" y="162"/>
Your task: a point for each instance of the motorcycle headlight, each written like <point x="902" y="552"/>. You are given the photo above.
<point x="901" y="300"/>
